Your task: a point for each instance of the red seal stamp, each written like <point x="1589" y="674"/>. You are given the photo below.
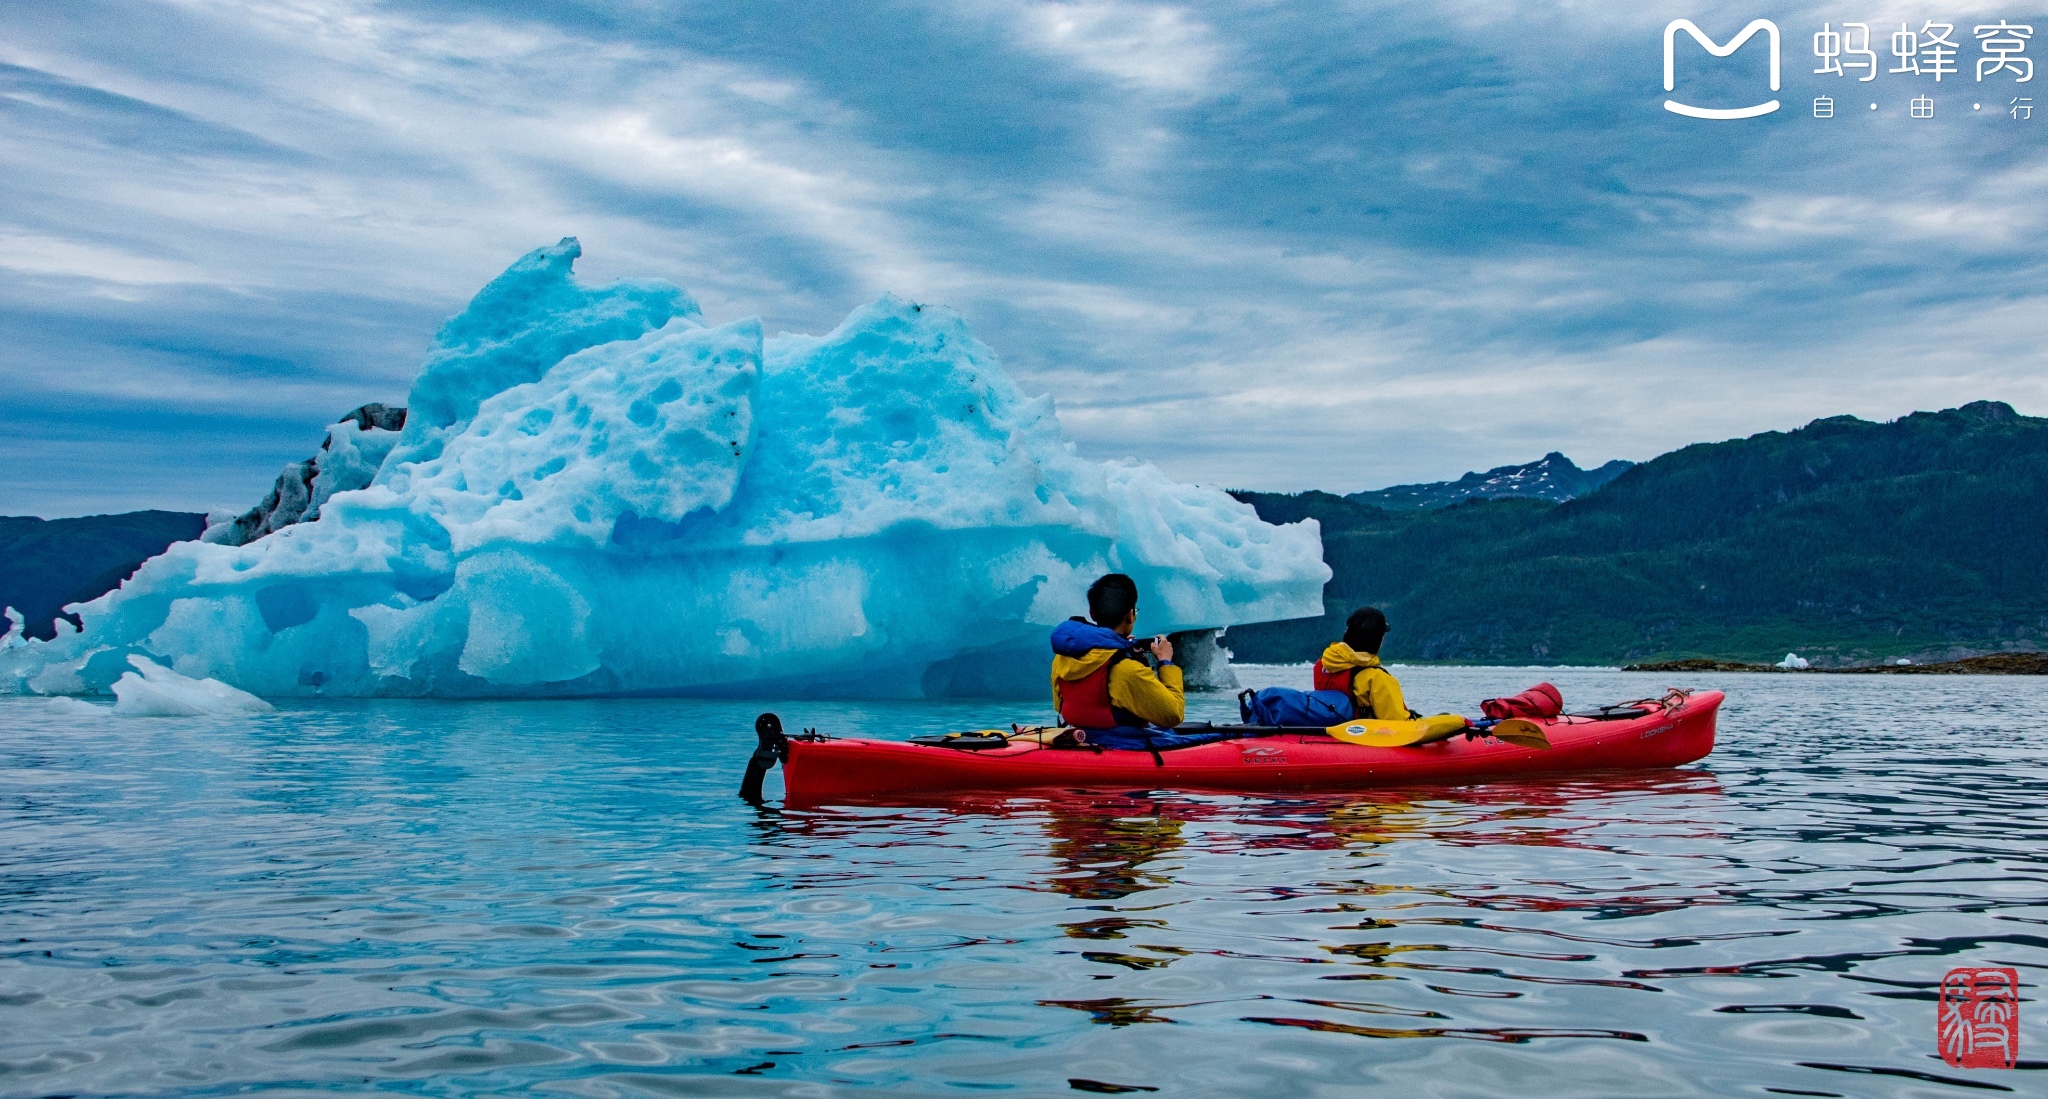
<point x="1978" y="1023"/>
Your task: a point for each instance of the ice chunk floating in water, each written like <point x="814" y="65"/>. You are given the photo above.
<point x="596" y="493"/>
<point x="160" y="692"/>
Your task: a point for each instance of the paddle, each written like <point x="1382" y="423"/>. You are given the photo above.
<point x="1399" y="733"/>
<point x="1405" y="733"/>
<point x="976" y="741"/>
<point x="1520" y="732"/>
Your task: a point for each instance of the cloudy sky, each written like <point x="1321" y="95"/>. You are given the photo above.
<point x="1267" y="244"/>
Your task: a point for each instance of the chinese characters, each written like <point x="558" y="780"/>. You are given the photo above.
<point x="2005" y="51"/>
<point x="1930" y="50"/>
<point x="1839" y="52"/>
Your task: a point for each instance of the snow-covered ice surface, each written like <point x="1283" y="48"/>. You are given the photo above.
<point x="596" y="493"/>
<point x="160" y="692"/>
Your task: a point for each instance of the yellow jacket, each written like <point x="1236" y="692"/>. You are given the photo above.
<point x="1374" y="689"/>
<point x="1156" y="697"/>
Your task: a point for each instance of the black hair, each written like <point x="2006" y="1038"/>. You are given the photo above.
<point x="1111" y="598"/>
<point x="1365" y="629"/>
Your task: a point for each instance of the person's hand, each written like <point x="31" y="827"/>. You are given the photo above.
<point x="1162" y="648"/>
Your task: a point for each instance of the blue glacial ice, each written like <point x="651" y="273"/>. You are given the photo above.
<point x="596" y="493"/>
<point x="154" y="691"/>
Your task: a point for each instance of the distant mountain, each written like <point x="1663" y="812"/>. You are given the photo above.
<point x="1845" y="541"/>
<point x="1552" y="477"/>
<point x="47" y="563"/>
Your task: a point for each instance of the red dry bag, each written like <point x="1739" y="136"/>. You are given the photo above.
<point x="1540" y="701"/>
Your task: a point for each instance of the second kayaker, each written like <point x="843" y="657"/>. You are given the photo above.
<point x="1100" y="681"/>
<point x="1353" y="666"/>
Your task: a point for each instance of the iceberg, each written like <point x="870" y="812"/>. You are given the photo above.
<point x="159" y="692"/>
<point x="595" y="492"/>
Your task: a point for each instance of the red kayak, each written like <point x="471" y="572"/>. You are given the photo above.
<point x="1637" y="736"/>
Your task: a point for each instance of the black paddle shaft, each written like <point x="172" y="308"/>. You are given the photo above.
<point x="773" y="748"/>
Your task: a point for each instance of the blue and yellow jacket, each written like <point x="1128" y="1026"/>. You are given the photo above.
<point x="1095" y="688"/>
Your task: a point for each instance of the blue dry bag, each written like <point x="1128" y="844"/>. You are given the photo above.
<point x="1287" y="706"/>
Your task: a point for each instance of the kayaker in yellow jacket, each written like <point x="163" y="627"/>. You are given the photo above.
<point x="1099" y="678"/>
<point x="1353" y="666"/>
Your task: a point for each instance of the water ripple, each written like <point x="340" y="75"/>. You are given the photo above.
<point x="564" y="898"/>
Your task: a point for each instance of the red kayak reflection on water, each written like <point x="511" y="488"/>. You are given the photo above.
<point x="1107" y="845"/>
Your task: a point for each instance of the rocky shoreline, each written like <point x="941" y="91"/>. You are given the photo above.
<point x="1994" y="664"/>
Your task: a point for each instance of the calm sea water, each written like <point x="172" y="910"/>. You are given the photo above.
<point x="565" y="898"/>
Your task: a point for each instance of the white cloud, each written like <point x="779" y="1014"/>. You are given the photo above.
<point x="33" y="254"/>
<point x="1125" y="263"/>
<point x="1151" y="46"/>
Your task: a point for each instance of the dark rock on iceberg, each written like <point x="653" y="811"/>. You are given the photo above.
<point x="355" y="446"/>
<point x="377" y="416"/>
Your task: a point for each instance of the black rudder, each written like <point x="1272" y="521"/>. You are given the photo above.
<point x="773" y="748"/>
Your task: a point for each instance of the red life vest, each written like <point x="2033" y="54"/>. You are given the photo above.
<point x="1337" y="681"/>
<point x="1334" y="681"/>
<point x="1084" y="702"/>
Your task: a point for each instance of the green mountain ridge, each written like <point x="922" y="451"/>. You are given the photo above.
<point x="1846" y="541"/>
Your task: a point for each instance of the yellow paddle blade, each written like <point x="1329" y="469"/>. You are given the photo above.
<point x="1521" y="732"/>
<point x="1443" y="727"/>
<point x="1378" y="734"/>
<point x="1398" y="734"/>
